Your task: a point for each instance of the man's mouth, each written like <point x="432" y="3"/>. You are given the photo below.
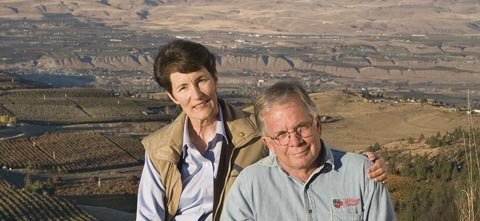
<point x="303" y="151"/>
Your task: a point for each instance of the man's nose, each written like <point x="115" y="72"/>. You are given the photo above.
<point x="295" y="139"/>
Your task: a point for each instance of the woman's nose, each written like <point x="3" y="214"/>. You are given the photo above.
<point x="196" y="93"/>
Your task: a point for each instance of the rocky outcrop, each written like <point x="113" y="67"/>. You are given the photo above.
<point x="114" y="63"/>
<point x="411" y="71"/>
<point x="260" y="63"/>
<point x="132" y="62"/>
<point x="63" y="63"/>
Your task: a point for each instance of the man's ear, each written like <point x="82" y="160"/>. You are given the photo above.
<point x="318" y="123"/>
<point x="171" y="97"/>
<point x="266" y="143"/>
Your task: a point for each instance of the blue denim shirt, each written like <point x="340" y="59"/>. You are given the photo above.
<point x="198" y="176"/>
<point x="338" y="190"/>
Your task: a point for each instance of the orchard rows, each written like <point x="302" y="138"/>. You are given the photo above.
<point x="71" y="152"/>
<point x="23" y="205"/>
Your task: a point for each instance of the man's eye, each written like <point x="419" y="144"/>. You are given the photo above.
<point x="302" y="128"/>
<point x="281" y="135"/>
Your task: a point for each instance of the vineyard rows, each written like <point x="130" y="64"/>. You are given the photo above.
<point x="23" y="205"/>
<point x="16" y="153"/>
<point x="70" y="152"/>
<point x="75" y="105"/>
<point x="132" y="147"/>
<point x="52" y="112"/>
<point x="4" y="111"/>
<point x="57" y="93"/>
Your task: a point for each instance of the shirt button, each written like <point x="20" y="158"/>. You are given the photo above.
<point x="242" y="134"/>
<point x="209" y="191"/>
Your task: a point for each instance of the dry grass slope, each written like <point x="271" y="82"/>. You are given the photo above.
<point x="364" y="124"/>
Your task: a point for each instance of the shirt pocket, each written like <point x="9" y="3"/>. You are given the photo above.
<point x="346" y="216"/>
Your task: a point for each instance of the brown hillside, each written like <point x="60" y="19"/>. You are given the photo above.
<point x="363" y="124"/>
<point x="356" y="17"/>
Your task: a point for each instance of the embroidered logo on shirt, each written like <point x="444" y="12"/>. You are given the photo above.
<point x="337" y="203"/>
<point x="347" y="202"/>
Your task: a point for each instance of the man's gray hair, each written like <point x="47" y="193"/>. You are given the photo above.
<point x="280" y="93"/>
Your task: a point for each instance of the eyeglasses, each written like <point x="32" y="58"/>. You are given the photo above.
<point x="303" y="131"/>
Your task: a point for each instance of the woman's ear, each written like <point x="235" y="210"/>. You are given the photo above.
<point x="171" y="97"/>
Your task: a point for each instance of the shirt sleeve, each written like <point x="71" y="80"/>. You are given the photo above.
<point x="378" y="205"/>
<point x="237" y="206"/>
<point x="151" y="192"/>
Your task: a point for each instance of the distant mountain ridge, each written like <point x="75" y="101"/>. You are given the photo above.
<point x="145" y="63"/>
<point x="399" y="40"/>
<point x="358" y="17"/>
<point x="272" y="64"/>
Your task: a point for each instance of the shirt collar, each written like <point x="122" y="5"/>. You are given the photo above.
<point x="327" y="155"/>
<point x="219" y="129"/>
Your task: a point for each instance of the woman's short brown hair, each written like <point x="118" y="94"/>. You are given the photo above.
<point x="183" y="57"/>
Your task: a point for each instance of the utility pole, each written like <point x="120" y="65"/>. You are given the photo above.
<point x="469" y="108"/>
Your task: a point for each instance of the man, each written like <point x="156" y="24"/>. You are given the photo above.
<point x="191" y="163"/>
<point x="303" y="179"/>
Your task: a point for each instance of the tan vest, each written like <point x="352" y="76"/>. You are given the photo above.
<point x="164" y="147"/>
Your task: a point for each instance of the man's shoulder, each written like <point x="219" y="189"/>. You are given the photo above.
<point x="348" y="158"/>
<point x="267" y="162"/>
<point x="351" y="168"/>
<point x="349" y="155"/>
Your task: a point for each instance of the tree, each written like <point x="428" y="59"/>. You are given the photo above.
<point x="374" y="147"/>
<point x="411" y="140"/>
<point x="422" y="137"/>
<point x="421" y="167"/>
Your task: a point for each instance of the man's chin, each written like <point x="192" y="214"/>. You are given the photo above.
<point x="303" y="163"/>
